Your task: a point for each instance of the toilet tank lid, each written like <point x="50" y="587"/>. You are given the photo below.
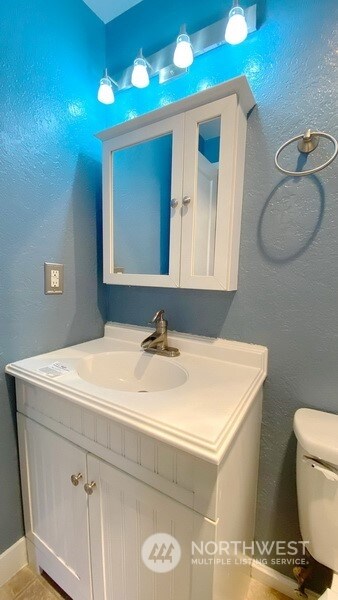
<point x="317" y="433"/>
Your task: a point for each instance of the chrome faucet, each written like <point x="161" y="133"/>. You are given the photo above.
<point x="157" y="342"/>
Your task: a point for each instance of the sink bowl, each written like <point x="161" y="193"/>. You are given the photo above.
<point x="131" y="372"/>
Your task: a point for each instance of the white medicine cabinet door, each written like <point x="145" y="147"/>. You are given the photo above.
<point x="123" y="513"/>
<point x="212" y="190"/>
<point x="142" y="184"/>
<point x="173" y="192"/>
<point x="56" y="512"/>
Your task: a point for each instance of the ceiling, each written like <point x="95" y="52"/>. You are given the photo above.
<point x="110" y="9"/>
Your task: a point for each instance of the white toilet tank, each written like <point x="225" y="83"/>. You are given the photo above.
<point x="317" y="483"/>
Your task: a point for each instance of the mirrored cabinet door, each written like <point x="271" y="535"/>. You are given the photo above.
<point x="209" y="221"/>
<point x="143" y="172"/>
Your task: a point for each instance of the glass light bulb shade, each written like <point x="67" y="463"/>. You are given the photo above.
<point x="183" y="55"/>
<point x="140" y="76"/>
<point x="106" y="92"/>
<point x="237" y="28"/>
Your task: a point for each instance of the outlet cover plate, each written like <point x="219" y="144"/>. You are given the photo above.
<point x="54" y="278"/>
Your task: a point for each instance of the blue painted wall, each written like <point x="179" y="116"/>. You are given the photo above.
<point x="288" y="278"/>
<point x="51" y="56"/>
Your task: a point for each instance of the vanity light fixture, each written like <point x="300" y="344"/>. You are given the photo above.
<point x="140" y="75"/>
<point x="105" y="93"/>
<point x="184" y="54"/>
<point x="237" y="28"/>
<point x="173" y="60"/>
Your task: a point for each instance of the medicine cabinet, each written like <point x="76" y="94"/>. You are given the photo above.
<point x="172" y="192"/>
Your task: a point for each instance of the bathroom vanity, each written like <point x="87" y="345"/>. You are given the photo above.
<point x="172" y="192"/>
<point x="116" y="445"/>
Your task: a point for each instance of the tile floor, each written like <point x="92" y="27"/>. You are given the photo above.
<point x="257" y="591"/>
<point x="26" y="585"/>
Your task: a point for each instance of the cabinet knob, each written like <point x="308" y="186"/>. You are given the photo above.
<point x="75" y="479"/>
<point x="173" y="203"/>
<point x="186" y="200"/>
<point x="89" y="488"/>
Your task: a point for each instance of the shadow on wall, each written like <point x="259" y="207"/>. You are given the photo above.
<point x="196" y="311"/>
<point x="261" y="13"/>
<point x="86" y="186"/>
<point x="298" y="222"/>
<point x="10" y="384"/>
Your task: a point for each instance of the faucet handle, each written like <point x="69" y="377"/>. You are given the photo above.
<point x="158" y="317"/>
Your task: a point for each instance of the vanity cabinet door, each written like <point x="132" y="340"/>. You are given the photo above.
<point x="214" y="149"/>
<point x="56" y="512"/>
<point x="123" y="513"/>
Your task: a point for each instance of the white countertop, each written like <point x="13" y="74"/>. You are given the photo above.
<point x="200" y="417"/>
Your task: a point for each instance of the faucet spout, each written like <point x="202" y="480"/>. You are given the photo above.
<point x="151" y="341"/>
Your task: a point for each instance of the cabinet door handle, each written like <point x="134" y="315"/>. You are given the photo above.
<point x="75" y="479"/>
<point x="173" y="203"/>
<point x="89" y="488"/>
<point x="186" y="200"/>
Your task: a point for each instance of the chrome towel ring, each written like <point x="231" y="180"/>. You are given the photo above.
<point x="306" y="144"/>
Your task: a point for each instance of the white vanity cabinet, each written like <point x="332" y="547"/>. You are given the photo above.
<point x="172" y="192"/>
<point x="90" y="544"/>
<point x="103" y="469"/>
<point x="67" y="526"/>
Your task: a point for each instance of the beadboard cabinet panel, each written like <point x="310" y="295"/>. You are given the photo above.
<point x="123" y="513"/>
<point x="56" y="517"/>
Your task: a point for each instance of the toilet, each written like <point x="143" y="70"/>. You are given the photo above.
<point x="317" y="487"/>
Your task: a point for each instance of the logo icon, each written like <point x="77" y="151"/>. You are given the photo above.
<point x="161" y="553"/>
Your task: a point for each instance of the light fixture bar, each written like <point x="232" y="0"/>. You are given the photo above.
<point x="202" y="41"/>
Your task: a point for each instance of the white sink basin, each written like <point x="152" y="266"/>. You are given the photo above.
<point x="196" y="401"/>
<point x="131" y="371"/>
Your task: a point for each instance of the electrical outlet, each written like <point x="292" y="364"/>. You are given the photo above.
<point x="53" y="278"/>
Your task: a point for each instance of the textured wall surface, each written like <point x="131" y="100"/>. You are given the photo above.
<point x="51" y="56"/>
<point x="288" y="280"/>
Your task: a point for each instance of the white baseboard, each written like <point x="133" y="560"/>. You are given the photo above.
<point x="277" y="581"/>
<point x="12" y="560"/>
